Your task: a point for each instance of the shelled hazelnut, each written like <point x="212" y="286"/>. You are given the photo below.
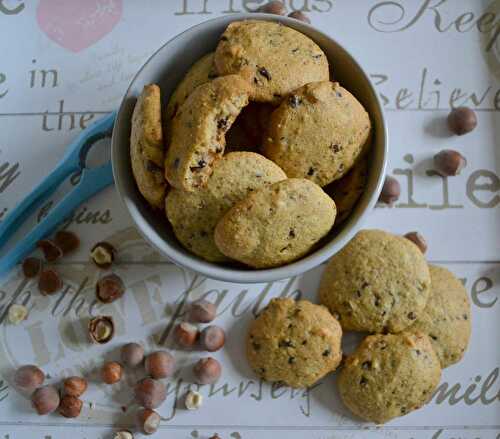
<point x="132" y="354"/>
<point x="111" y="372"/>
<point x="75" y="386"/>
<point x="70" y="406"/>
<point x="148" y="421"/>
<point x="28" y="378"/>
<point x="103" y="254"/>
<point x="150" y="393"/>
<point x="212" y="338"/>
<point x="160" y="364"/>
<point x="45" y="400"/>
<point x="109" y="288"/>
<point x="185" y="334"/>
<point x="101" y="329"/>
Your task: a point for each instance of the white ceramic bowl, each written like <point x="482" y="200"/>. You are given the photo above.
<point x="166" y="67"/>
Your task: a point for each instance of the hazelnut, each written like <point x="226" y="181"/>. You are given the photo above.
<point x="103" y="254"/>
<point x="449" y="163"/>
<point x="111" y="372"/>
<point x="212" y="338"/>
<point x="215" y="436"/>
<point x="101" y="329"/>
<point x="67" y="241"/>
<point x="390" y="190"/>
<point x="70" y="406"/>
<point x="50" y="250"/>
<point x="462" y="120"/>
<point x="207" y="370"/>
<point x="28" y="378"/>
<point x="193" y="400"/>
<point x="185" y="334"/>
<point x="31" y="267"/>
<point x="150" y="393"/>
<point x="75" y="386"/>
<point x="109" y="288"/>
<point x="123" y="434"/>
<point x="49" y="281"/>
<point x="148" y="421"/>
<point x="160" y="364"/>
<point x="132" y="354"/>
<point x="299" y="15"/>
<point x="418" y="240"/>
<point x="202" y="311"/>
<point x="17" y="313"/>
<point x="45" y="400"/>
<point x="273" y="7"/>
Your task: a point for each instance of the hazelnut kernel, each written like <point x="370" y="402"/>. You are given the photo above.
<point x="17" y="313"/>
<point x="150" y="393"/>
<point x="418" y="240"/>
<point x="148" y="420"/>
<point x="45" y="400"/>
<point x="101" y="329"/>
<point x="449" y="163"/>
<point x="103" y="254"/>
<point x="202" y="311"/>
<point x="160" y="364"/>
<point x="70" y="406"/>
<point x="75" y="386"/>
<point x="28" y="378"/>
<point x="123" y="434"/>
<point x="207" y="370"/>
<point x="390" y="190"/>
<point x="132" y="354"/>
<point x="212" y="338"/>
<point x="109" y="288"/>
<point x="193" y="400"/>
<point x="185" y="334"/>
<point x="111" y="372"/>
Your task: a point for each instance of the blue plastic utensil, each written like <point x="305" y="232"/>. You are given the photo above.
<point x="92" y="181"/>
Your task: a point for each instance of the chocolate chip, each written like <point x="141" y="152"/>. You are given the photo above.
<point x="295" y="50"/>
<point x="262" y="370"/>
<point x="263" y="72"/>
<point x="222" y="123"/>
<point x="363" y="381"/>
<point x="339" y="95"/>
<point x="465" y="316"/>
<point x="109" y="288"/>
<point x="310" y="172"/>
<point x="294" y="101"/>
<point x="277" y="95"/>
<point x="224" y="38"/>
<point x="412" y="315"/>
<point x="358" y="293"/>
<point x="212" y="75"/>
<point x="326" y="353"/>
<point x="285" y="344"/>
<point x="256" y="346"/>
<point x="304" y="342"/>
<point x="318" y="57"/>
<point x="418" y="351"/>
<point x="462" y="120"/>
<point x="49" y="281"/>
<point x="31" y="267"/>
<point x="377" y="301"/>
<point x="433" y="337"/>
<point x="449" y="163"/>
<point x="365" y="285"/>
<point x="291" y="360"/>
<point x="366" y="365"/>
<point x="176" y="162"/>
<point x="299" y="15"/>
<point x="201" y="164"/>
<point x="152" y="166"/>
<point x="67" y="241"/>
<point x="50" y="250"/>
<point x="336" y="148"/>
<point x="390" y="190"/>
<point x="291" y="233"/>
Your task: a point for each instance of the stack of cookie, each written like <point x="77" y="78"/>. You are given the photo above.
<point x="379" y="283"/>
<point x="263" y="153"/>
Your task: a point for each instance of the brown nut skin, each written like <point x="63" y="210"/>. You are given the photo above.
<point x="103" y="254"/>
<point x="67" y="241"/>
<point x="45" y="400"/>
<point x="299" y="15"/>
<point x="462" y="120"/>
<point x="390" y="190"/>
<point x="418" y="239"/>
<point x="70" y="406"/>
<point x="160" y="364"/>
<point x="449" y="163"/>
<point x="207" y="370"/>
<point x="49" y="282"/>
<point x="109" y="288"/>
<point x="148" y="421"/>
<point x="150" y="393"/>
<point x="28" y="378"/>
<point x="202" y="311"/>
<point x="75" y="386"/>
<point x="97" y="326"/>
<point x="273" y="7"/>
<point x="212" y="338"/>
<point x="31" y="267"/>
<point x="185" y="334"/>
<point x="132" y="354"/>
<point x="111" y="372"/>
<point x="50" y="250"/>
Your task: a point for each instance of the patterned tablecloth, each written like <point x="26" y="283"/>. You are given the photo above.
<point x="65" y="63"/>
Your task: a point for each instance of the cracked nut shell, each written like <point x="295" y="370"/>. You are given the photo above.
<point x="67" y="241"/>
<point x="31" y="267"/>
<point x="202" y="311"/>
<point x="70" y="406"/>
<point x="50" y="250"/>
<point x="49" y="282"/>
<point x="111" y="372"/>
<point x="148" y="421"/>
<point x="103" y="254"/>
<point x="185" y="334"/>
<point x="101" y="329"/>
<point x="75" y="386"/>
<point x="109" y="288"/>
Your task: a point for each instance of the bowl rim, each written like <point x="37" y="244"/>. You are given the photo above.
<point x="236" y="275"/>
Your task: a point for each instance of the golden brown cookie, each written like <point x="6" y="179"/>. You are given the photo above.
<point x="277" y="224"/>
<point x="317" y="133"/>
<point x="447" y="317"/>
<point x="296" y="343"/>
<point x="389" y="376"/>
<point x="378" y="282"/>
<point x="199" y="128"/>
<point x="276" y="59"/>
<point x="194" y="215"/>
<point x="146" y="146"/>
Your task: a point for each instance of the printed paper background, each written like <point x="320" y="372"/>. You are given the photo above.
<point x="65" y="63"/>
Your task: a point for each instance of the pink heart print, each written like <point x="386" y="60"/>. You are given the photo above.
<point x="78" y="24"/>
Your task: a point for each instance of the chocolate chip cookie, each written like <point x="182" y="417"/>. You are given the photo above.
<point x="447" y="316"/>
<point x="378" y="282"/>
<point x="194" y="215"/>
<point x="146" y="146"/>
<point x="199" y="128"/>
<point x="389" y="376"/>
<point x="276" y="224"/>
<point x="296" y="343"/>
<point x="276" y="59"/>
<point x="318" y="132"/>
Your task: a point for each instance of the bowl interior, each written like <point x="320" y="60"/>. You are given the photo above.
<point x="166" y="68"/>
